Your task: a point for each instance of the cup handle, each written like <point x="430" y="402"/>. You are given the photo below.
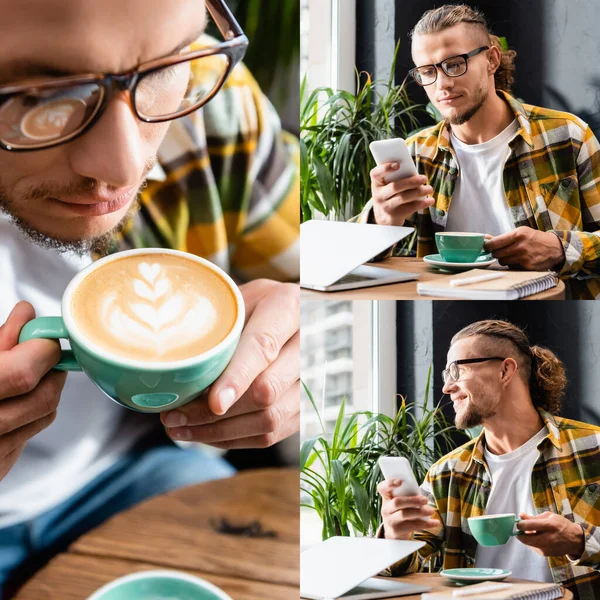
<point x="51" y="328"/>
<point x="518" y="532"/>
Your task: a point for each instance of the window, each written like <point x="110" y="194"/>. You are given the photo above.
<point x="348" y="351"/>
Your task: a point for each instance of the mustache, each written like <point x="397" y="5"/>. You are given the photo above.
<point x="85" y="185"/>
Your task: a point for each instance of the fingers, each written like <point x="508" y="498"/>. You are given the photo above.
<point x="264" y="392"/>
<point x="386" y="487"/>
<point x="10" y="330"/>
<point x="19" y="437"/>
<point x="502" y="241"/>
<point x="274" y="321"/>
<point x="257" y="429"/>
<point x="378" y="174"/>
<point x="25" y="365"/>
<point x="19" y="411"/>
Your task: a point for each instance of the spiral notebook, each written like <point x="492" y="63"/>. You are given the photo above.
<point x="516" y="591"/>
<point x="509" y="285"/>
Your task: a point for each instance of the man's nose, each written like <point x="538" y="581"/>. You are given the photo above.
<point x="444" y="82"/>
<point x="113" y="150"/>
<point x="449" y="386"/>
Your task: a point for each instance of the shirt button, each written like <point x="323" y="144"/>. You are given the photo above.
<point x="565" y="183"/>
<point x="441" y="213"/>
<point x="592" y="487"/>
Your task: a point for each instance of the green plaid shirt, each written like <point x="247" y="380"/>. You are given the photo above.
<point x="551" y="180"/>
<point x="565" y="481"/>
<point x="226" y="187"/>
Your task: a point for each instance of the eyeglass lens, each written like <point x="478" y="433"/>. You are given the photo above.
<point x="41" y="116"/>
<point x="453" y="67"/>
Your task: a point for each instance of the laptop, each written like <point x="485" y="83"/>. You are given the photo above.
<point x="333" y="253"/>
<point x="344" y="567"/>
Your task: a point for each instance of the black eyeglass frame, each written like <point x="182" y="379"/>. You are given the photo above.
<point x="440" y="65"/>
<point x="466" y="361"/>
<point x="234" y="47"/>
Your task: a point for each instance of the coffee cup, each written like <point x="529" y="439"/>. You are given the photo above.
<point x="494" y="530"/>
<point x="459" y="247"/>
<point x="159" y="585"/>
<point x="152" y="328"/>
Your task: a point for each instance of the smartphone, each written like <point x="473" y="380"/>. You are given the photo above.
<point x="398" y="467"/>
<point x="394" y="150"/>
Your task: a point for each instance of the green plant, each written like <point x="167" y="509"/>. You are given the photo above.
<point x="340" y="472"/>
<point x="336" y="128"/>
<point x="274" y="34"/>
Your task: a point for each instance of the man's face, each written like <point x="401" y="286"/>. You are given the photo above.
<point x="477" y="393"/>
<point x="83" y="189"/>
<point x="457" y="98"/>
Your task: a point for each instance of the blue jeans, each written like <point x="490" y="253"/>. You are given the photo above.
<point x="139" y="475"/>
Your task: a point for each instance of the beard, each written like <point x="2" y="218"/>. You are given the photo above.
<point x="469" y="113"/>
<point x="100" y="244"/>
<point x="473" y="416"/>
<point x="82" y="246"/>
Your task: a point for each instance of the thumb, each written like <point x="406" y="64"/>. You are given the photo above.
<point x="9" y="332"/>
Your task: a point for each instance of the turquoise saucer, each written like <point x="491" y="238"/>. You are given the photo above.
<point x="436" y="260"/>
<point x="475" y="575"/>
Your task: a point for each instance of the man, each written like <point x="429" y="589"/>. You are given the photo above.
<point x="221" y="182"/>
<point x="525" y="175"/>
<point x="526" y="461"/>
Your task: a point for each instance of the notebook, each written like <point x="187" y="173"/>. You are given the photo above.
<point x="517" y="591"/>
<point x="509" y="285"/>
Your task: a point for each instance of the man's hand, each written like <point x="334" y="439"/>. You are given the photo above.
<point x="394" y="202"/>
<point x="403" y="514"/>
<point x="256" y="401"/>
<point x="527" y="248"/>
<point x="29" y="394"/>
<point x="552" y="535"/>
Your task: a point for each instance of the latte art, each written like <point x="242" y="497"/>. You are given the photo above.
<point x="156" y="307"/>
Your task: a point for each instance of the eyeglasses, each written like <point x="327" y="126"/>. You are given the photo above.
<point x="455" y="66"/>
<point x="59" y="110"/>
<point x="452" y="373"/>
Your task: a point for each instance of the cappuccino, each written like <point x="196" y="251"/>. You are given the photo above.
<point x="154" y="307"/>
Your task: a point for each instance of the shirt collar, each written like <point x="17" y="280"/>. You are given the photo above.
<point x="553" y="435"/>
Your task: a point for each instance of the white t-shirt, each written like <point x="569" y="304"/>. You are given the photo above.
<point x="511" y="493"/>
<point x="479" y="201"/>
<point x="90" y="431"/>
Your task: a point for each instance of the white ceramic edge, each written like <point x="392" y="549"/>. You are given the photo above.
<point x="461" y="233"/>
<point x="482" y="517"/>
<point x="139" y="364"/>
<point x="210" y="587"/>
<point x="484" y="263"/>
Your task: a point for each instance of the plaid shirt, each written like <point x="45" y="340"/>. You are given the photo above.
<point x="565" y="481"/>
<point x="551" y="180"/>
<point x="226" y="186"/>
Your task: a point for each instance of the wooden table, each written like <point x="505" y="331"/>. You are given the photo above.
<point x="180" y="530"/>
<point x="407" y="290"/>
<point x="439" y="584"/>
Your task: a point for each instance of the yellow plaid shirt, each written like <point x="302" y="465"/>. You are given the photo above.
<point x="226" y="187"/>
<point x="551" y="180"/>
<point x="565" y="481"/>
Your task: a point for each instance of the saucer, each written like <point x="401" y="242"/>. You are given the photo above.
<point x="436" y="260"/>
<point x="473" y="575"/>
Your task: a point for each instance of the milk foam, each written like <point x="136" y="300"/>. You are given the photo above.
<point x="154" y="310"/>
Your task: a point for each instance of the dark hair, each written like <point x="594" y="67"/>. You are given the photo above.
<point x="540" y="367"/>
<point x="449" y="15"/>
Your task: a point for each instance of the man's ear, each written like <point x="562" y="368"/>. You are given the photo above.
<point x="494" y="59"/>
<point x="509" y="370"/>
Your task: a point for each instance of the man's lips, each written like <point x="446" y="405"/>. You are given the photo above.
<point x="449" y="99"/>
<point x="95" y="205"/>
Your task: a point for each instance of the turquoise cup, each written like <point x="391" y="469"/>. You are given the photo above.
<point x="159" y="585"/>
<point x="459" y="247"/>
<point x="494" y="530"/>
<point x="143" y="386"/>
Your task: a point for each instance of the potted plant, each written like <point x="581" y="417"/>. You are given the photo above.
<point x="339" y="472"/>
<point x="336" y="128"/>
